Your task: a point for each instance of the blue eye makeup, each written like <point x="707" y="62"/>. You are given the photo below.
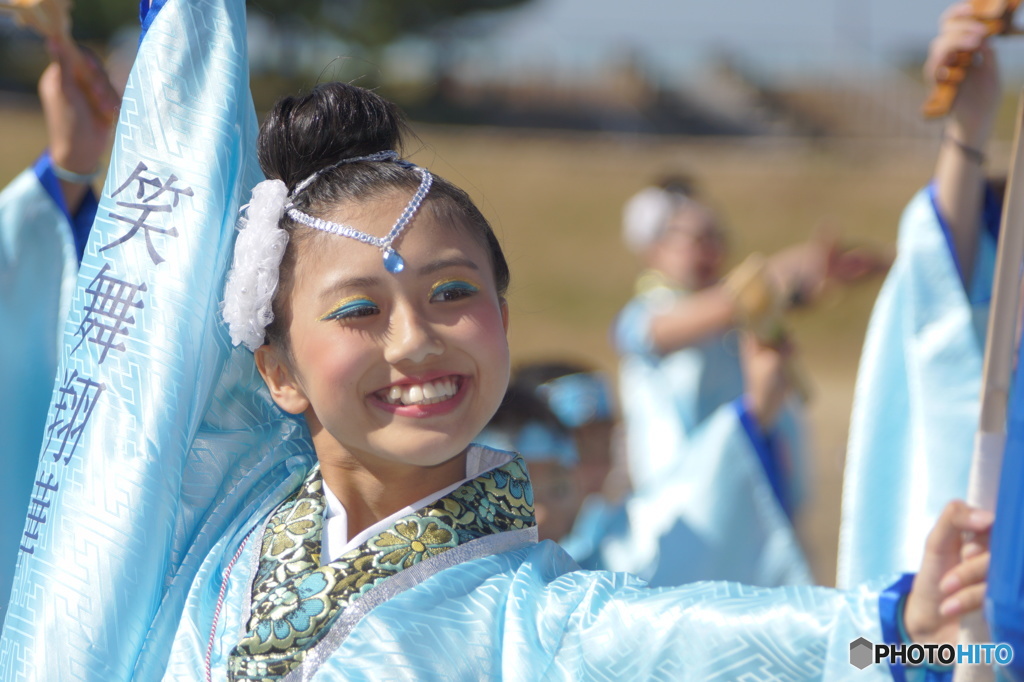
<point x="452" y="290"/>
<point x="349" y="308"/>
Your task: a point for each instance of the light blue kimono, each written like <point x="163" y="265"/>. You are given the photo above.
<point x="715" y="518"/>
<point x="39" y="243"/>
<point x="508" y="608"/>
<point x="146" y="522"/>
<point x="916" y="402"/>
<point x="708" y="482"/>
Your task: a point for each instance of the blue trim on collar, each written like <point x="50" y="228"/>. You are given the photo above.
<point x="148" y="9"/>
<point x="933" y="197"/>
<point x="767" y="448"/>
<point x="81" y="222"/>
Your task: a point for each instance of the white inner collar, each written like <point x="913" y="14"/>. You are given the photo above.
<point x="335" y="538"/>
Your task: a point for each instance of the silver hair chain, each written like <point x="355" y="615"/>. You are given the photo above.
<point x="392" y="261"/>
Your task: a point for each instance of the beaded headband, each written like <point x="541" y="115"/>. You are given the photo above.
<point x="260" y="246"/>
<point x="392" y="261"/>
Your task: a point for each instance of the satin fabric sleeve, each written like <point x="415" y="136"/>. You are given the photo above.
<point x="703" y="505"/>
<point x="916" y="399"/>
<point x="717" y="631"/>
<point x="531" y="615"/>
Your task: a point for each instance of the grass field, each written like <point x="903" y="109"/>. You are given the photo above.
<point x="555" y="201"/>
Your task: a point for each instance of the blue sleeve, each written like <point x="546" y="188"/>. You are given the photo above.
<point x="991" y="216"/>
<point x="890" y="611"/>
<point x="767" y="449"/>
<point x="933" y="197"/>
<point x="81" y="222"/>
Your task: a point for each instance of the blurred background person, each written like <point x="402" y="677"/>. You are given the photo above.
<point x="583" y="401"/>
<point x="682" y="386"/>
<point x="707" y="372"/>
<point x="669" y="532"/>
<point x="524" y="424"/>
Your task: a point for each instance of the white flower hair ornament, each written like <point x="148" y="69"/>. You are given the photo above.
<point x="252" y="282"/>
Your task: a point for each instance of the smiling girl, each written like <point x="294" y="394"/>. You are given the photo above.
<point x="395" y="368"/>
<point x="387" y="334"/>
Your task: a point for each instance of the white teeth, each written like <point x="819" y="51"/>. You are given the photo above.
<point x="421" y="394"/>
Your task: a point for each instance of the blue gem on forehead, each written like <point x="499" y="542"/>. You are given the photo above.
<point x="393" y="263"/>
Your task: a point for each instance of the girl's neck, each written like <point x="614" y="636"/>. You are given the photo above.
<point x="371" y="493"/>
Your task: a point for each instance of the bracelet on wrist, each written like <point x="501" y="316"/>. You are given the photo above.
<point x="969" y="152"/>
<point x="71" y="176"/>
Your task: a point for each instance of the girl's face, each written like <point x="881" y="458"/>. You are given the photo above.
<point x="691" y="250"/>
<point x="392" y="370"/>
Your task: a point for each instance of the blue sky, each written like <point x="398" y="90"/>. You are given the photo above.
<point x="673" y="36"/>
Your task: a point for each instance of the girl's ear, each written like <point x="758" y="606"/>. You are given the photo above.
<point x="503" y="304"/>
<point x="281" y="380"/>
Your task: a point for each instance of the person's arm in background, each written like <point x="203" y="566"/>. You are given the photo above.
<point x="960" y="171"/>
<point x="78" y="130"/>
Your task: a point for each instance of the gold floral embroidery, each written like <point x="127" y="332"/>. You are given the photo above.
<point x="412" y="541"/>
<point x="295" y="599"/>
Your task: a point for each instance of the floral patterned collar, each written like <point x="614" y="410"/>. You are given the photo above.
<point x="295" y="599"/>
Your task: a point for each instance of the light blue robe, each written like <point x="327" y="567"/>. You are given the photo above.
<point x="700" y="464"/>
<point x="916" y="401"/>
<point x="715" y="518"/>
<point x="140" y="568"/>
<point x="38" y="267"/>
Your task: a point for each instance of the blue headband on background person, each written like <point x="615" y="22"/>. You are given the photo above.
<point x="578" y="399"/>
<point x="534" y="441"/>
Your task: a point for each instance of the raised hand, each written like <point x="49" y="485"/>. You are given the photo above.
<point x="951" y="581"/>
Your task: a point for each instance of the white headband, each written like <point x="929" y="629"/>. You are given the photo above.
<point x="646" y="215"/>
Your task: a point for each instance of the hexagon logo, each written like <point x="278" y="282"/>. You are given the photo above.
<point x="860" y="653"/>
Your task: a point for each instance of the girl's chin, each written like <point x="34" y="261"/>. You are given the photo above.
<point x="430" y="451"/>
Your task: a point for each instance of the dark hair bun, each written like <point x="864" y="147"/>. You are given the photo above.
<point x="334" y="121"/>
